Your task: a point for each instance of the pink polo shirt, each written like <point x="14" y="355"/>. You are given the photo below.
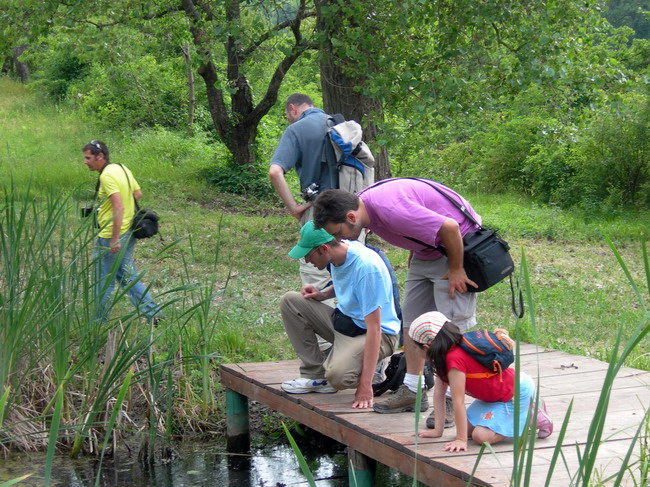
<point x="401" y="208"/>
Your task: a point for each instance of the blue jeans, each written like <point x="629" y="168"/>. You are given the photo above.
<point x="119" y="267"/>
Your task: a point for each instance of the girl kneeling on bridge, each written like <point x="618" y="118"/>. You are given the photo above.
<point x="490" y="418"/>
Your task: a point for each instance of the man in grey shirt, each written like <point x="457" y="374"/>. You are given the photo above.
<point x="301" y="148"/>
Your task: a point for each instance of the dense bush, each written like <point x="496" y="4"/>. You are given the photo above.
<point x="140" y="92"/>
<point x="245" y="180"/>
<point x="612" y="162"/>
<point x="599" y="163"/>
<point x="59" y="71"/>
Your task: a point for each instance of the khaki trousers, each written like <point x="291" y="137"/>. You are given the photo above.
<point x="304" y="320"/>
<point x="424" y="291"/>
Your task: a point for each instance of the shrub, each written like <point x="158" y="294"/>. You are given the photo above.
<point x="502" y="151"/>
<point x="614" y="155"/>
<point x="546" y="170"/>
<point x="250" y="180"/>
<point x="137" y="93"/>
<point x="59" y="71"/>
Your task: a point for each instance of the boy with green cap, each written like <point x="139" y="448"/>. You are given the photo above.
<point x="363" y="328"/>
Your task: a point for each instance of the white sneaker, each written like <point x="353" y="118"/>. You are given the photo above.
<point x="303" y="386"/>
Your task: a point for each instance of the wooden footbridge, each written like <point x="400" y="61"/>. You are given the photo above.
<point x="388" y="439"/>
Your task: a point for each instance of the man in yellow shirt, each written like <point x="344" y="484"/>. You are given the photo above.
<point x="117" y="191"/>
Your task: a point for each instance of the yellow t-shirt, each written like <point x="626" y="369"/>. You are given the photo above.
<point x="113" y="179"/>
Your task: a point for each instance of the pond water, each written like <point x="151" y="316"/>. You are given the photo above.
<point x="202" y="464"/>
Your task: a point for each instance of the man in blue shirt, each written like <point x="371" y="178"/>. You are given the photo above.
<point x="363" y="328"/>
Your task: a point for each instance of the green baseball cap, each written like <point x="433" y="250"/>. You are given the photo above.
<point x="309" y="238"/>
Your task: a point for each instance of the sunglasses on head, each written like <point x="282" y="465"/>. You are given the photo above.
<point x="98" y="145"/>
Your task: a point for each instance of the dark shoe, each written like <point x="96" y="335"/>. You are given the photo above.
<point x="401" y="401"/>
<point x="156" y="320"/>
<point x="449" y="415"/>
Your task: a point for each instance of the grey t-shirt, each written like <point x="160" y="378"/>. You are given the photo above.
<point x="301" y="147"/>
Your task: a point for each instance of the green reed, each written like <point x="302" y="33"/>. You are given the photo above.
<point x="587" y="474"/>
<point x="65" y="376"/>
<point x="15" y="481"/>
<point x="200" y="308"/>
<point x="301" y="459"/>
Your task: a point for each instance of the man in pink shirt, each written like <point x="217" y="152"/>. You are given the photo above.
<point x="410" y="214"/>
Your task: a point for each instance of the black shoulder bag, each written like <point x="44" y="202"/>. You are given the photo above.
<point x="145" y="221"/>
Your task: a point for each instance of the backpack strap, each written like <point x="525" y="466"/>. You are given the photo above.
<point x="483" y="375"/>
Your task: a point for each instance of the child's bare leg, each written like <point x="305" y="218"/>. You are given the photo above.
<point x="481" y="435"/>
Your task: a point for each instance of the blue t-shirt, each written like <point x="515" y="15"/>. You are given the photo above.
<point x="362" y="284"/>
<point x="301" y="147"/>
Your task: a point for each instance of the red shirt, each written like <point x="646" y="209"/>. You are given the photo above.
<point x="497" y="388"/>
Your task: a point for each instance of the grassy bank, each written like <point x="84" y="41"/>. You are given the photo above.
<point x="222" y="268"/>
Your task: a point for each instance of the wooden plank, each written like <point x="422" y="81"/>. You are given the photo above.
<point x="390" y="439"/>
<point x="344" y="432"/>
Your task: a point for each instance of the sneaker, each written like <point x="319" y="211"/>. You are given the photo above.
<point x="303" y="386"/>
<point x="449" y="415"/>
<point x="544" y="423"/>
<point x="400" y="401"/>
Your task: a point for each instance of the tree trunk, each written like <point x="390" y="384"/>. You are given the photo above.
<point x="237" y="127"/>
<point x="8" y="64"/>
<point x="244" y="136"/>
<point x="12" y="63"/>
<point x="191" y="97"/>
<point x="340" y="96"/>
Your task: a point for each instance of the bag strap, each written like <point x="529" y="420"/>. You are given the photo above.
<point x="137" y="206"/>
<point x="128" y="181"/>
<point x="462" y="208"/>
<point x="98" y="180"/>
<point x="430" y="182"/>
<point x="519" y="313"/>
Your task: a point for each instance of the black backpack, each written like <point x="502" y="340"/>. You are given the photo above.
<point x="395" y="371"/>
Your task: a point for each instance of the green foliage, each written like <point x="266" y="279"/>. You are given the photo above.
<point x="633" y="13"/>
<point x="59" y="71"/>
<point x="614" y="155"/>
<point x="251" y="180"/>
<point x="142" y="92"/>
<point x="600" y="163"/>
<point x="637" y="57"/>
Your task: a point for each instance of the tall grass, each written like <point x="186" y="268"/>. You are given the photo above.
<point x="587" y="473"/>
<point x="65" y="378"/>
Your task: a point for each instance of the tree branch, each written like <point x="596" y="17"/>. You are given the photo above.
<point x="101" y="26"/>
<point x="206" y="9"/>
<point x="264" y="37"/>
<point x="271" y="95"/>
<point x="502" y="42"/>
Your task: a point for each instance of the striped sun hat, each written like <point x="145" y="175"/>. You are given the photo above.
<point x="425" y="327"/>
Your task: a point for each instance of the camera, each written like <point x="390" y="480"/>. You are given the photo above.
<point x="310" y="192"/>
<point x="87" y="211"/>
